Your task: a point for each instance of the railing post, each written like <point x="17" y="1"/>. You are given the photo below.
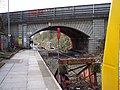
<point x="73" y="12"/>
<point x="54" y="17"/>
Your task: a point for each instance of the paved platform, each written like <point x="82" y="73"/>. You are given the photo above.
<point x="26" y="70"/>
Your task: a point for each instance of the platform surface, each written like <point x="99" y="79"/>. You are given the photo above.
<point x="26" y="70"/>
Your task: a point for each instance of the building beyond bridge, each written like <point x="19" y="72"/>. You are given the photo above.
<point x="84" y="23"/>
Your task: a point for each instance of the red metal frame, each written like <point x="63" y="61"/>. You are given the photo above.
<point x="86" y="73"/>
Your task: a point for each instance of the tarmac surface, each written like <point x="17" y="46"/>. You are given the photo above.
<point x="26" y="70"/>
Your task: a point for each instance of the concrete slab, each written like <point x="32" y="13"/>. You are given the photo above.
<point x="35" y="77"/>
<point x="8" y="65"/>
<point x="1" y="79"/>
<point x="5" y="88"/>
<point x="4" y="73"/>
<point x="18" y="73"/>
<point x="19" y="69"/>
<point x="13" y="85"/>
<point x="36" y="84"/>
<point x="17" y="79"/>
<point x="37" y="89"/>
<point x="44" y="69"/>
<point x="34" y="72"/>
<point x="50" y="84"/>
<point x="6" y="68"/>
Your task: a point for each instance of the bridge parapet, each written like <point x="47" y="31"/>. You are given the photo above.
<point x="60" y="13"/>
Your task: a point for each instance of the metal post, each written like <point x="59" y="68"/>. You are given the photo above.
<point x="9" y="35"/>
<point x="58" y="36"/>
<point x="59" y="80"/>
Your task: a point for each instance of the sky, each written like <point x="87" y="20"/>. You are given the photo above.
<point x="20" y="5"/>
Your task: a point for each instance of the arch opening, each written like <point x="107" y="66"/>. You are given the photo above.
<point x="78" y="40"/>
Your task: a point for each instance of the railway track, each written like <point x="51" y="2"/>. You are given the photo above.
<point x="77" y="72"/>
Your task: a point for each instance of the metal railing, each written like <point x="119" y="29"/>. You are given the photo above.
<point x="60" y="13"/>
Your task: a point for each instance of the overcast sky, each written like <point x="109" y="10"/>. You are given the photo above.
<point x="19" y="5"/>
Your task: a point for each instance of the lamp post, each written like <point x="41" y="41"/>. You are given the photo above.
<point x="9" y="35"/>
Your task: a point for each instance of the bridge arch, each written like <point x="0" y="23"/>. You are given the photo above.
<point x="78" y="38"/>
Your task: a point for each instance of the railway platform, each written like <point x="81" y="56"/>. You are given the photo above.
<point x="26" y="70"/>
